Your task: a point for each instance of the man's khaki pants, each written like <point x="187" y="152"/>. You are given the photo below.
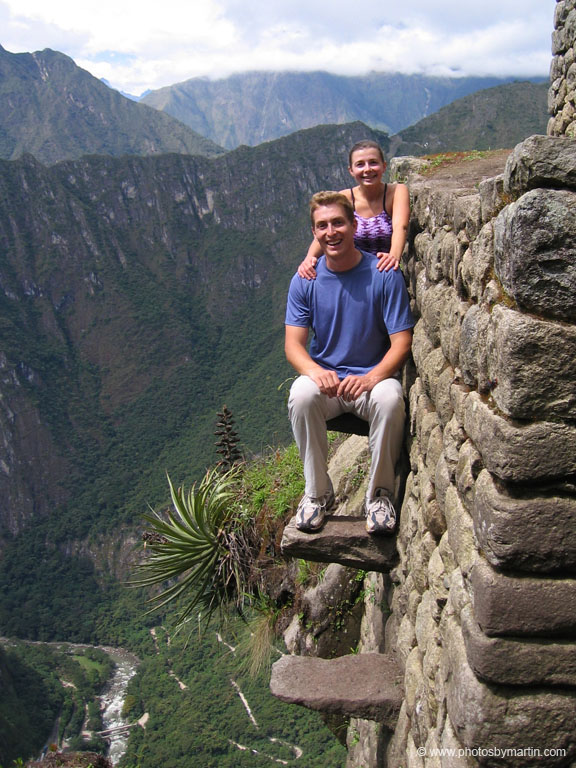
<point x="383" y="408"/>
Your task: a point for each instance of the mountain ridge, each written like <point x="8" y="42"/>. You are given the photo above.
<point x="56" y="110"/>
<point x="493" y="118"/>
<point x="252" y="107"/>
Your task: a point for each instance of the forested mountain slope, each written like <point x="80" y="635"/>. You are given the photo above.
<point x="494" y="118"/>
<point x="55" y="110"/>
<point x="137" y="296"/>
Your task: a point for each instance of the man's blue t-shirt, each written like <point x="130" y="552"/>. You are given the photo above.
<point x="351" y="314"/>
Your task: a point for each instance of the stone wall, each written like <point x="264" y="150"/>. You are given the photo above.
<point x="480" y="612"/>
<point x="484" y="597"/>
<point x="562" y="94"/>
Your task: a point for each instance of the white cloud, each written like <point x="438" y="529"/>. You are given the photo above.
<point x="140" y="45"/>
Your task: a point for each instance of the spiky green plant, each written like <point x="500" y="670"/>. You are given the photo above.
<point x="204" y="546"/>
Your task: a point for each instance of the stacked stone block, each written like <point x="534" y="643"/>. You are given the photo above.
<point x="562" y="93"/>
<point x="484" y="597"/>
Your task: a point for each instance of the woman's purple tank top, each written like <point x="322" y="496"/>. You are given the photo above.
<point x="375" y="233"/>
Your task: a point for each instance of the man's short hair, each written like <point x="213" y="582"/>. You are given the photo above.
<point x="331" y="198"/>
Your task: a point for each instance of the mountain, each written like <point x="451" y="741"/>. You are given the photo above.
<point x="494" y="118"/>
<point x="137" y="296"/>
<point x="55" y="110"/>
<point x="254" y="107"/>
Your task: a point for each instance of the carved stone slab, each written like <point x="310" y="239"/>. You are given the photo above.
<point x="366" y="685"/>
<point x="342" y="540"/>
<point x="512" y="661"/>
<point x="522" y="605"/>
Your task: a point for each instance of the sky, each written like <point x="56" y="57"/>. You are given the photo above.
<point x="144" y="45"/>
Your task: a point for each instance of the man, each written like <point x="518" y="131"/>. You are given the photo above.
<point x="362" y="328"/>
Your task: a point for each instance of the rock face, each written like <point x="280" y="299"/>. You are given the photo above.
<point x="516" y="723"/>
<point x="509" y="660"/>
<point x="563" y="71"/>
<point x="512" y="605"/>
<point x="535" y="240"/>
<point x="366" y="685"/>
<point x="521" y="530"/>
<point x="518" y="451"/>
<point x="531" y="362"/>
<point x="540" y="162"/>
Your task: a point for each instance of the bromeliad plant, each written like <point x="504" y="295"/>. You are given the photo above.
<point x="204" y="546"/>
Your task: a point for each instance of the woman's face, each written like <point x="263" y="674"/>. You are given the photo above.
<point x="367" y="166"/>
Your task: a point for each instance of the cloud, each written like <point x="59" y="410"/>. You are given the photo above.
<point x="141" y="45"/>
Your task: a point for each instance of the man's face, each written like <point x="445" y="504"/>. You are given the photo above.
<point x="334" y="231"/>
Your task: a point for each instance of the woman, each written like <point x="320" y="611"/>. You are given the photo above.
<point x="382" y="211"/>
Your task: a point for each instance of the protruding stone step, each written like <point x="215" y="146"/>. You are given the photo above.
<point x="366" y="685"/>
<point x="513" y="661"/>
<point x="342" y="540"/>
<point x="511" y="605"/>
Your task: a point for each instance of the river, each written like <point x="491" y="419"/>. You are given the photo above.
<point x="112" y="700"/>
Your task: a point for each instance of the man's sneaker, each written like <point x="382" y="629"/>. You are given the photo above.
<point x="310" y="512"/>
<point x="380" y="513"/>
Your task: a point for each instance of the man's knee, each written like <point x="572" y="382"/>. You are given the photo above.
<point x="387" y="398"/>
<point x="304" y="396"/>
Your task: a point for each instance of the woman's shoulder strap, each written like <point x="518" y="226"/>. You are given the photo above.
<point x="384" y="199"/>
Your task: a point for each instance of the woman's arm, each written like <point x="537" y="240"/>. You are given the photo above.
<point x="400" y="220"/>
<point x="307" y="267"/>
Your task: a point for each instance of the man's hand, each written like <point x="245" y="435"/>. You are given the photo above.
<point x="326" y="381"/>
<point x="352" y="387"/>
<point x="297" y="355"/>
<point x="386" y="262"/>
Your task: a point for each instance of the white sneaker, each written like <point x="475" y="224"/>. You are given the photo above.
<point x="380" y="513"/>
<point x="310" y="512"/>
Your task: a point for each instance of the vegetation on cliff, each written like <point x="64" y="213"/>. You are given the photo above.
<point x="203" y="547"/>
